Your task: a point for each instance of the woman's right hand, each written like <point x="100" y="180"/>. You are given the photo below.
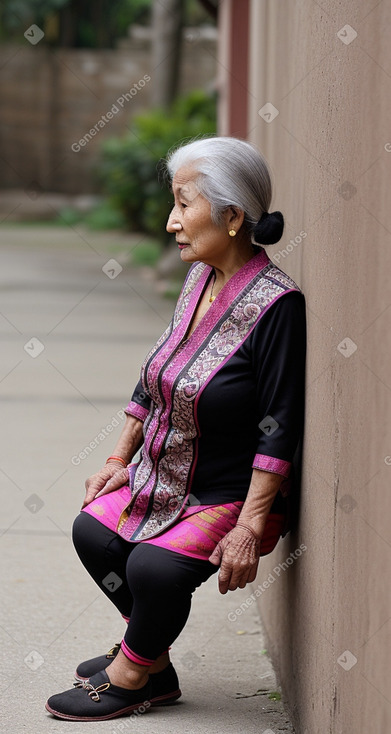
<point x="112" y="476"/>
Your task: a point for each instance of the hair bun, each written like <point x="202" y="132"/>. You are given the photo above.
<point x="269" y="229"/>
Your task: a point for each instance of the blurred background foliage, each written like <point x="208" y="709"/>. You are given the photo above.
<point x="131" y="170"/>
<point x="86" y="23"/>
<point x="133" y="194"/>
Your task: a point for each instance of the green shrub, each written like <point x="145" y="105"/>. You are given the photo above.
<point x="146" y="252"/>
<point x="69" y="216"/>
<point x="105" y="216"/>
<point x="101" y="217"/>
<point x="129" y="168"/>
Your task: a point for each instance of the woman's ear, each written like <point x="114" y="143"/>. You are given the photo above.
<point x="235" y="217"/>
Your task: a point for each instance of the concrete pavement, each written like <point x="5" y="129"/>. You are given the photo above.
<point x="73" y="339"/>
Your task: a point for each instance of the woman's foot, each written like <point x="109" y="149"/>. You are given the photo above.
<point x="89" y="667"/>
<point x="99" y="699"/>
<point x="162" y="675"/>
<point x="126" y="674"/>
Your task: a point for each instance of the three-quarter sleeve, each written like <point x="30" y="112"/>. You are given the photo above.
<point x="139" y="403"/>
<point x="279" y="353"/>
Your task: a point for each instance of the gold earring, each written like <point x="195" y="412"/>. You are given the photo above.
<point x="232" y="232"/>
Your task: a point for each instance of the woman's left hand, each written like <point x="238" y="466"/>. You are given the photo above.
<point x="237" y="554"/>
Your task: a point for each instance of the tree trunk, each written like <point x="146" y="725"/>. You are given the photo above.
<point x="167" y="25"/>
<point x="210" y="7"/>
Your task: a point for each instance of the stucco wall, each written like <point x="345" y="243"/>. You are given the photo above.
<point x="329" y="149"/>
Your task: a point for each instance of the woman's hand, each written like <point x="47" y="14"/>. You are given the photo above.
<point x="111" y="477"/>
<point x="237" y="554"/>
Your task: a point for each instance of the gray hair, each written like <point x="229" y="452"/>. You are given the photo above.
<point x="232" y="173"/>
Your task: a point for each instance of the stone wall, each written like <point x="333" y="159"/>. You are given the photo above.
<point x="52" y="98"/>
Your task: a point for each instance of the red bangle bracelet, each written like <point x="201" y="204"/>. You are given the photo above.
<point x="117" y="458"/>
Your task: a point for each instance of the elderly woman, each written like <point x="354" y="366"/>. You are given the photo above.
<point x="218" y="412"/>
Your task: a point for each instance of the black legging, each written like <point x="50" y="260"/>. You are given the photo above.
<point x="150" y="585"/>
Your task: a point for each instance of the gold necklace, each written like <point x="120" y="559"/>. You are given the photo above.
<point x="212" y="297"/>
<point x="195" y="324"/>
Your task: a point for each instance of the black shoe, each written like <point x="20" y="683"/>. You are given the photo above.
<point x="85" y="670"/>
<point x="165" y="685"/>
<point x="98" y="699"/>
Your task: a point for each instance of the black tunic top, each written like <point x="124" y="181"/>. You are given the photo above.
<point x="227" y="400"/>
<point x="265" y="377"/>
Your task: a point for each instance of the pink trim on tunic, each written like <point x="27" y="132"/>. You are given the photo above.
<point x="137" y="410"/>
<point x="269" y="463"/>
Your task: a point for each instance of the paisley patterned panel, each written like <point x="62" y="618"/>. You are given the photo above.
<point x="193" y="277"/>
<point x="281" y="277"/>
<point x="173" y="469"/>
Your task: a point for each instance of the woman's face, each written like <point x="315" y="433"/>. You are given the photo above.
<point x="197" y="236"/>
